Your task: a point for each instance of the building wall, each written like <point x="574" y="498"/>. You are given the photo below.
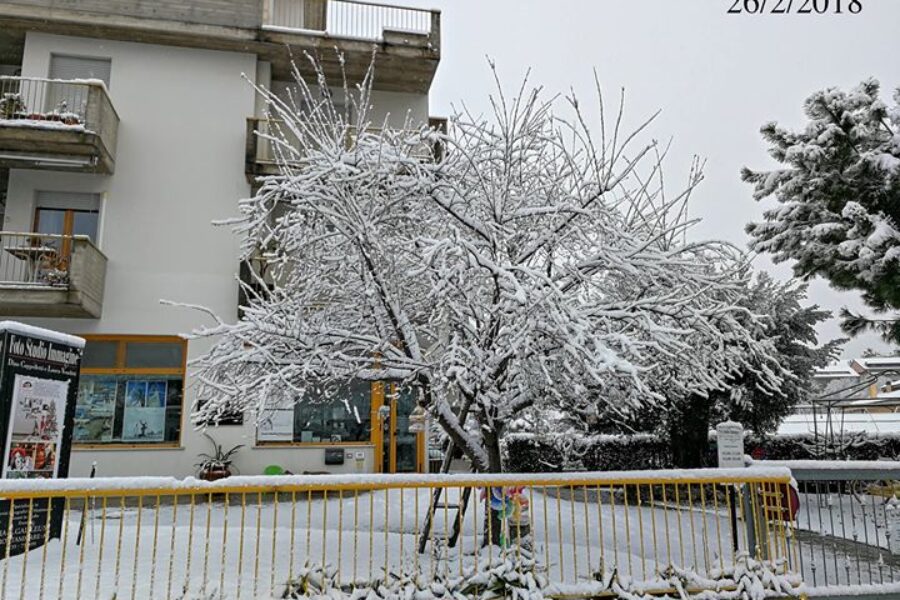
<point x="179" y="166"/>
<point x="225" y="13"/>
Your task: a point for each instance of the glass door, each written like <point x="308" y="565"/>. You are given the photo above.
<point x="401" y="449"/>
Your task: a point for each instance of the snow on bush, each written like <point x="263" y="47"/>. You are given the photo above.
<point x="513" y="578"/>
<point x="518" y="577"/>
<point x="572" y="451"/>
<point x="748" y="579"/>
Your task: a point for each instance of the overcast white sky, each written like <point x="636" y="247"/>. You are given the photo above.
<point x="716" y="77"/>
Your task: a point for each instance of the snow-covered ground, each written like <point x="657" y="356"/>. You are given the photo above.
<point x="250" y="549"/>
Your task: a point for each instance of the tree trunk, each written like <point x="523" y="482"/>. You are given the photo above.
<point x="689" y="432"/>
<point x="493" y="526"/>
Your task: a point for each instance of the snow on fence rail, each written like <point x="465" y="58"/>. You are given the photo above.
<point x="258" y="536"/>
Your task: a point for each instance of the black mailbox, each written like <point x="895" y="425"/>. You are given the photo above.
<point x="334" y="456"/>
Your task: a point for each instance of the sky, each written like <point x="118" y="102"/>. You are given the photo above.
<point x="716" y="78"/>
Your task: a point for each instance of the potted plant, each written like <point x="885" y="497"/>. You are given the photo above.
<point x="217" y="465"/>
<point x="11" y="105"/>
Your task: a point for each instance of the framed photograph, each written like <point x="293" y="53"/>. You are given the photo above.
<point x="156" y="394"/>
<point x="142" y="424"/>
<point x="135" y="393"/>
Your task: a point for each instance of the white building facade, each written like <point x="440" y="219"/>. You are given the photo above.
<point x="126" y="128"/>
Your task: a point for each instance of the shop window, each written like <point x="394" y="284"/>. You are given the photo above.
<point x="327" y="415"/>
<point x="131" y="391"/>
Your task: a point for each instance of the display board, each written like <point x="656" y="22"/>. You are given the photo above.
<point x="38" y="388"/>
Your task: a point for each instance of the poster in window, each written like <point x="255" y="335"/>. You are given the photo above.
<point x="135" y="393"/>
<point x="144" y="424"/>
<point x="156" y="394"/>
<point x="38" y="407"/>
<point x="95" y="411"/>
<point x="276" y="426"/>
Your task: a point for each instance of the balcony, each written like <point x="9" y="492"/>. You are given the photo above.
<point x="351" y="19"/>
<point x="44" y="275"/>
<point x="262" y="160"/>
<point x="408" y="40"/>
<point x="57" y="125"/>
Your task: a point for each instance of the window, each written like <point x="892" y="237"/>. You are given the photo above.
<point x="131" y="390"/>
<point x="329" y="414"/>
<point x="80" y="67"/>
<point x="67" y="213"/>
<point x="64" y="214"/>
<point x="66" y="97"/>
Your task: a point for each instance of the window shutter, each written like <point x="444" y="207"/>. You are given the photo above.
<point x="68" y="200"/>
<point x="77" y="67"/>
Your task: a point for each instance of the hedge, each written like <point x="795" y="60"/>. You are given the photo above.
<point x="529" y="453"/>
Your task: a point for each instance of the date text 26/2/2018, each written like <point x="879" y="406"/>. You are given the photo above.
<point x="798" y="7"/>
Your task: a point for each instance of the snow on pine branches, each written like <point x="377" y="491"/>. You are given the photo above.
<point x="517" y="261"/>
<point x="839" y="197"/>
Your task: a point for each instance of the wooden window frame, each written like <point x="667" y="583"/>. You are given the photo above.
<point x="65" y="250"/>
<point x="120" y="369"/>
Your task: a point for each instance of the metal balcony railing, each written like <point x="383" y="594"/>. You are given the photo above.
<point x="43" y="102"/>
<point x="35" y="259"/>
<point x="348" y="19"/>
<point x="60" y="106"/>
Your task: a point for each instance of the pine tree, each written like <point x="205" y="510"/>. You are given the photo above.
<point x="839" y="196"/>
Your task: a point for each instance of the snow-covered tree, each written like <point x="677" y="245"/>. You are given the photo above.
<point x="527" y="263"/>
<point x="839" y="196"/>
<point x="787" y="326"/>
<point x="776" y="318"/>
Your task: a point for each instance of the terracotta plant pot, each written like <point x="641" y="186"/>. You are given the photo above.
<point x="214" y="474"/>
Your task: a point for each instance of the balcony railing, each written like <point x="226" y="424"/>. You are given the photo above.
<point x="50" y="275"/>
<point x="348" y="19"/>
<point x="57" y="124"/>
<point x="262" y="133"/>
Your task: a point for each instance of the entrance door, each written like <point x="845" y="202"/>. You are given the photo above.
<point x="401" y="451"/>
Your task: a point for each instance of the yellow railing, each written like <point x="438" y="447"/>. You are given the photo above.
<point x="255" y="537"/>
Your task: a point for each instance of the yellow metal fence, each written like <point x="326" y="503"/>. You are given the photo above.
<point x="262" y="537"/>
